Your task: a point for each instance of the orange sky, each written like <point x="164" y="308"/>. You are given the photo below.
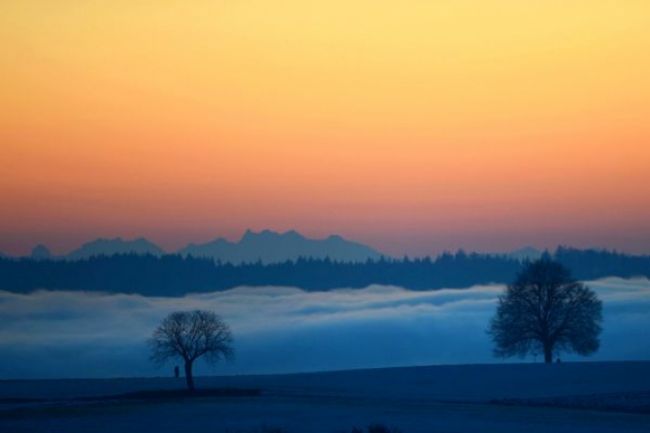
<point x="414" y="126"/>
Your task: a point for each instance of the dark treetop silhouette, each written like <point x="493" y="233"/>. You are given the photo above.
<point x="546" y="311"/>
<point x="174" y="275"/>
<point x="190" y="335"/>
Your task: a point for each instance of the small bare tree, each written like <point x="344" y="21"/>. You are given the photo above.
<point x="190" y="335"/>
<point x="546" y="311"/>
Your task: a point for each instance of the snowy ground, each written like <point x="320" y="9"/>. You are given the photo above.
<point x="414" y="399"/>
<point x="77" y="334"/>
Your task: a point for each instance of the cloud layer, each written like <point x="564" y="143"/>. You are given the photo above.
<point x="280" y="329"/>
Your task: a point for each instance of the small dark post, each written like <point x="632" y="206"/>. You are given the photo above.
<point x="177" y="371"/>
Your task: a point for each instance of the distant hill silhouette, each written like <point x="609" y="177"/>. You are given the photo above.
<point x="41" y="252"/>
<point x="109" y="247"/>
<point x="175" y="275"/>
<point x="266" y="246"/>
<point x="271" y="247"/>
<point x="525" y="253"/>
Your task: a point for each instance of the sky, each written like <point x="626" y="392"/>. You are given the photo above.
<point x="84" y="334"/>
<point x="412" y="126"/>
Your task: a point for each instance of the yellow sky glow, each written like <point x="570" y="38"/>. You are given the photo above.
<point x="414" y="126"/>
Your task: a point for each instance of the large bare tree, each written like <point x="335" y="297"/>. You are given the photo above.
<point x="189" y="335"/>
<point x="546" y="311"/>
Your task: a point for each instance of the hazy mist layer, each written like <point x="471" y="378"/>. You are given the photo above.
<point x="279" y="329"/>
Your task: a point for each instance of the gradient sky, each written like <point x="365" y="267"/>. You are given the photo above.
<point x="414" y="126"/>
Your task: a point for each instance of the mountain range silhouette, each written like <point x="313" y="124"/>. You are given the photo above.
<point x="266" y="246"/>
<point x="271" y="247"/>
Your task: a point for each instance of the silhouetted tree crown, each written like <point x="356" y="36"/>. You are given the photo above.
<point x="190" y="335"/>
<point x="546" y="311"/>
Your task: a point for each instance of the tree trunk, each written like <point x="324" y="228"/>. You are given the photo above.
<point x="548" y="353"/>
<point x="189" y="379"/>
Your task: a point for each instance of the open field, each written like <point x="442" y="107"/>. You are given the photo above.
<point x="613" y="397"/>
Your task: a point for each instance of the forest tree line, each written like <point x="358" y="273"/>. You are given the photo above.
<point x="174" y="275"/>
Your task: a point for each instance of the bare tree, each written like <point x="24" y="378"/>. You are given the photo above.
<point x="546" y="311"/>
<point x="190" y="335"/>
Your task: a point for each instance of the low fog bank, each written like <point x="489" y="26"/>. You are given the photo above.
<point x="279" y="329"/>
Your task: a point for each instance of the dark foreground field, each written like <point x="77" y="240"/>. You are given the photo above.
<point x="569" y="397"/>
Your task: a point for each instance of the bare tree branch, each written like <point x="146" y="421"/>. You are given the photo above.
<point x="190" y="335"/>
<point x="546" y="311"/>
